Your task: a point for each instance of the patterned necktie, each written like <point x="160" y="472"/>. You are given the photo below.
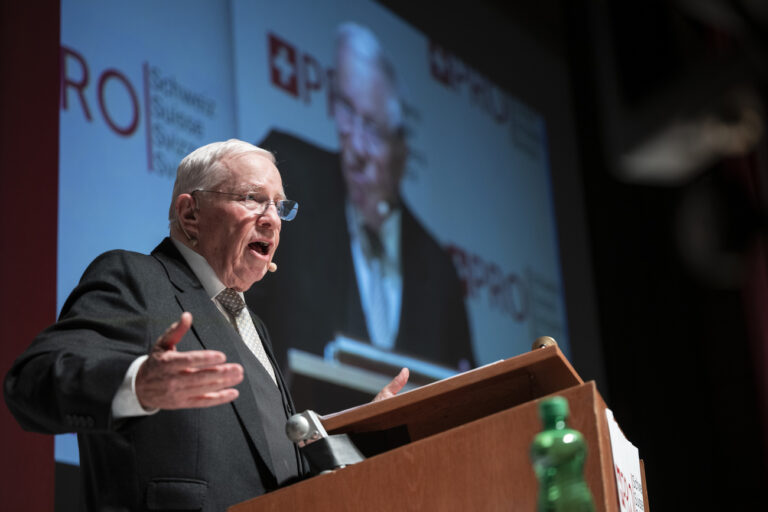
<point x="233" y="303"/>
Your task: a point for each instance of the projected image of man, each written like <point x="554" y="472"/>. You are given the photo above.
<point x="379" y="275"/>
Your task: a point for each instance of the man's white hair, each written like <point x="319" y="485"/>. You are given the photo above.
<point x="364" y="44"/>
<point x="203" y="168"/>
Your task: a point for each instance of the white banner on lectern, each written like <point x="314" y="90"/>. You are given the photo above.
<point x="626" y="467"/>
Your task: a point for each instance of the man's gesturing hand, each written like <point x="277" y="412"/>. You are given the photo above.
<point x="169" y="379"/>
<point x="394" y="386"/>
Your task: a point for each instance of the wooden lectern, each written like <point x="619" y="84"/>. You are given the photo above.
<point x="461" y="444"/>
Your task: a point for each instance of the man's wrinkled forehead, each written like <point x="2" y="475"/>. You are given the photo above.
<point x="356" y="66"/>
<point x="252" y="171"/>
<point x="364" y="81"/>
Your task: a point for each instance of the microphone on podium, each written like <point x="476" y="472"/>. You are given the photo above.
<point x="272" y="266"/>
<point x="543" y="342"/>
<point x="324" y="452"/>
<point x="304" y="428"/>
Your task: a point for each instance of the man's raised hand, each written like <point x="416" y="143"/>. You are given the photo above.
<point x="170" y="379"/>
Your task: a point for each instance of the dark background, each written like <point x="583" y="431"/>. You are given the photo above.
<point x="675" y="267"/>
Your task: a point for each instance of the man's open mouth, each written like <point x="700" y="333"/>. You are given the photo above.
<point x="260" y="247"/>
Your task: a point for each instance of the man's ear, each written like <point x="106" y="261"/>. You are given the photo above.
<point x="187" y="216"/>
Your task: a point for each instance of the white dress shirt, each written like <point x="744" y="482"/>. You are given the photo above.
<point x="379" y="277"/>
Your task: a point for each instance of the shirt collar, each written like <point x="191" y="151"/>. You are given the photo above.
<point x="389" y="233"/>
<point x="202" y="270"/>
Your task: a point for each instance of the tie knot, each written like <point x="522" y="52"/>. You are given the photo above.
<point x="231" y="301"/>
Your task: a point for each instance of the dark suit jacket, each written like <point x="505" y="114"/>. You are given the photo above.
<point x="193" y="459"/>
<point x="314" y="293"/>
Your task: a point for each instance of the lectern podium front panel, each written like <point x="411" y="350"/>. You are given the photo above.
<point x="467" y="446"/>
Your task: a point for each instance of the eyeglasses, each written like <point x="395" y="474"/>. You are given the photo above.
<point x="374" y="134"/>
<point x="286" y="209"/>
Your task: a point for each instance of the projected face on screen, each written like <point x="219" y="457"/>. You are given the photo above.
<point x="368" y="120"/>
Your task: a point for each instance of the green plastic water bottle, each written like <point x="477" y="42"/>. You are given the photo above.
<point x="558" y="455"/>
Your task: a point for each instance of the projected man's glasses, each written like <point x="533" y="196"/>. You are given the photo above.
<point x="286" y="209"/>
<point x="374" y="134"/>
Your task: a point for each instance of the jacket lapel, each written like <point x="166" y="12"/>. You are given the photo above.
<point x="214" y="333"/>
<point x="267" y="344"/>
<point x="290" y="409"/>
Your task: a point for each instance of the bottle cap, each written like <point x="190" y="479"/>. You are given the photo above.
<point x="553" y="407"/>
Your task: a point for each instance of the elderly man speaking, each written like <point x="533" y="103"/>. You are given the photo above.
<point x="155" y="362"/>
